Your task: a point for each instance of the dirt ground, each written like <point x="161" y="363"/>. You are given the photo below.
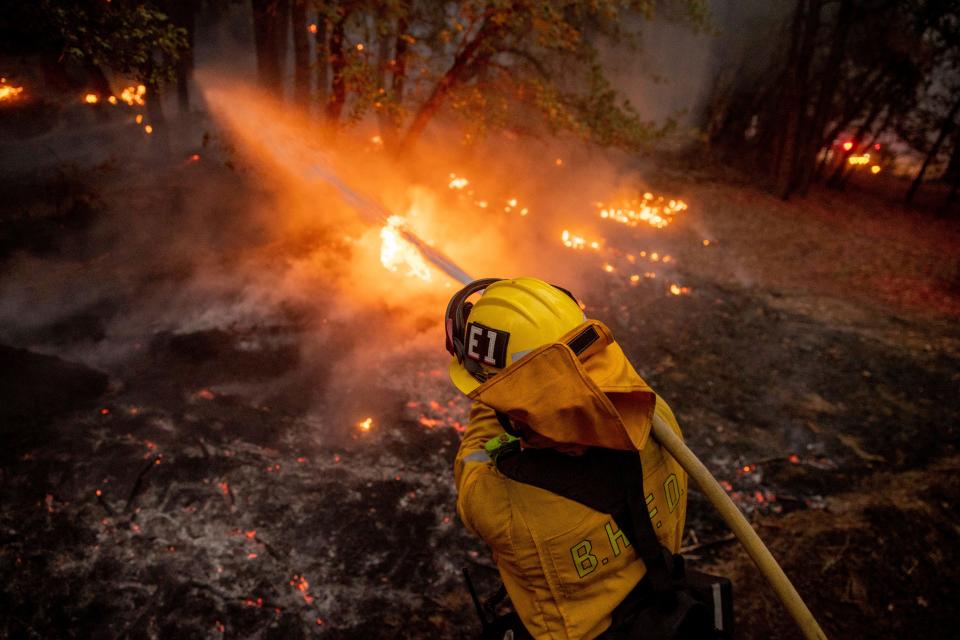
<point x="183" y="487"/>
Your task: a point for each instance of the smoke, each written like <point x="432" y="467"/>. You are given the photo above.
<point x="256" y="228"/>
<point x="677" y="72"/>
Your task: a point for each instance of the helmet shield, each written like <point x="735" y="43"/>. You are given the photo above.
<point x="511" y="319"/>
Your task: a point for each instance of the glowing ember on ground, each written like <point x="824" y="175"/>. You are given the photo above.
<point x="677" y="290"/>
<point x="653" y="210"/>
<point x="847" y="146"/>
<point x="148" y="129"/>
<point x="91" y="98"/>
<point x="396" y="251"/>
<point x="859" y="160"/>
<point x="8" y="92"/>
<point x="138" y="119"/>
<point x="365" y="425"/>
<point x="875" y="169"/>
<point x="312" y="28"/>
<point x="112" y="99"/>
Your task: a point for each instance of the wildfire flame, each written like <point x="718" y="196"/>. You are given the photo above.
<point x="396" y="251"/>
<point x="91" y="98"/>
<point x="457" y="182"/>
<point x="365" y="425"/>
<point x="573" y="241"/>
<point x="8" y="92"/>
<point x="859" y="160"/>
<point x="656" y="211"/>
<point x="134" y="95"/>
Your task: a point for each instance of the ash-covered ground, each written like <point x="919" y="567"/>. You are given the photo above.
<point x="186" y="456"/>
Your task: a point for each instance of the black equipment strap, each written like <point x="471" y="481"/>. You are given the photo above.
<point x="604" y="480"/>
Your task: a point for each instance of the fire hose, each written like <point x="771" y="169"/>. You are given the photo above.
<point x="754" y="546"/>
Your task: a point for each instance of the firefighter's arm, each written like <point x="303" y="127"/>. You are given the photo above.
<point x="481" y="496"/>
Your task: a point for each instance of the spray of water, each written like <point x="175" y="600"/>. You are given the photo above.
<point x="320" y="168"/>
<point x="374" y="212"/>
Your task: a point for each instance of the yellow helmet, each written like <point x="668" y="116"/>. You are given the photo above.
<point x="511" y="319"/>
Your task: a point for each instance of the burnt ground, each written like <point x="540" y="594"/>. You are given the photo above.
<point x="191" y="484"/>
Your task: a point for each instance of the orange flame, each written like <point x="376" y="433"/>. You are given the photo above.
<point x="134" y="95"/>
<point x="365" y="425"/>
<point x="653" y="210"/>
<point x="396" y="251"/>
<point x="91" y="98"/>
<point x="8" y="92"/>
<point x="573" y="241"/>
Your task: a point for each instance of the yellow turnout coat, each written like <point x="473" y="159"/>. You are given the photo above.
<point x="566" y="566"/>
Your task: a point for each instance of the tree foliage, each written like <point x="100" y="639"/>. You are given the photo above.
<point x="858" y="68"/>
<point x="527" y="64"/>
<point x="127" y="36"/>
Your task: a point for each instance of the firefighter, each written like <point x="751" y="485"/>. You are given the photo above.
<point x="557" y="471"/>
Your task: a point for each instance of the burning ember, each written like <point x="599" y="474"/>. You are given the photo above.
<point x="859" y="160"/>
<point x="365" y="425"/>
<point x="653" y="210"/>
<point x="677" y="290"/>
<point x="460" y="183"/>
<point x="8" y="92"/>
<point x="91" y="98"/>
<point x="396" y="251"/>
<point x="457" y="182"/>
<point x="573" y="241"/>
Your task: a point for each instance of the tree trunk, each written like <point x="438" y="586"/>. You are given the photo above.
<point x="382" y="103"/>
<point x="795" y="100"/>
<point x="813" y="139"/>
<point x="183" y="13"/>
<point x="945" y="130"/>
<point x="338" y="61"/>
<point x="400" y="60"/>
<point x="953" y="167"/>
<point x="266" y="42"/>
<point x="944" y="209"/>
<point x="952" y="174"/>
<point x="301" y="55"/>
<point x="782" y="106"/>
<point x="282" y="19"/>
<point x="323" y="62"/>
